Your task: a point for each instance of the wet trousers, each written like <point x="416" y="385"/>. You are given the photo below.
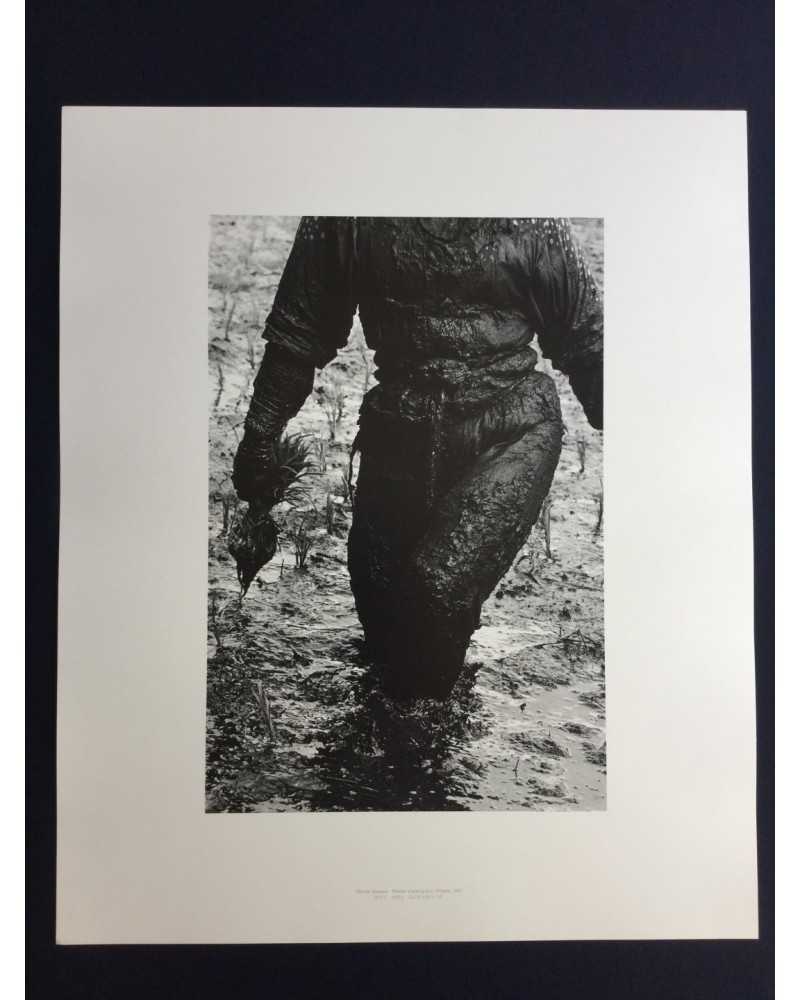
<point x="443" y="503"/>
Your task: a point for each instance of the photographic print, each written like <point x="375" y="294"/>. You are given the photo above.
<point x="419" y="548"/>
<point x="405" y="600"/>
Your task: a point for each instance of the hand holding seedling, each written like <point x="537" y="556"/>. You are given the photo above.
<point x="264" y="474"/>
<point x="268" y="464"/>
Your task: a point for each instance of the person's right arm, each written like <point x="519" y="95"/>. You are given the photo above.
<point x="309" y="321"/>
<point x="283" y="383"/>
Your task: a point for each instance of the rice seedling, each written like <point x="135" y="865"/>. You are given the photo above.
<point x="345" y="488"/>
<point x="330" y="515"/>
<point x="332" y="399"/>
<point x="321" y="450"/>
<point x="599" y="501"/>
<point x="581" y="445"/>
<point x="253" y="535"/>
<point x="220" y="386"/>
<point x="302" y="541"/>
<point x="545" y="517"/>
<point x="294" y="463"/>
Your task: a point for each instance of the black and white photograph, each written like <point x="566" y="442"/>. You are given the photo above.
<point x="366" y="530"/>
<point x="405" y="515"/>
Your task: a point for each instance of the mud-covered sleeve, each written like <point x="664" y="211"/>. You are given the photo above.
<point x="563" y="303"/>
<point x="314" y="305"/>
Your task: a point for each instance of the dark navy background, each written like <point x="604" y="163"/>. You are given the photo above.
<point x="565" y="53"/>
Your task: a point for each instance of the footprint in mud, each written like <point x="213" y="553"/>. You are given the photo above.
<point x="534" y="665"/>
<point x="542" y="744"/>
<point x="579" y="728"/>
<point x="545" y="766"/>
<point x="595" y="699"/>
<point x="595" y="755"/>
<point x="555" y="789"/>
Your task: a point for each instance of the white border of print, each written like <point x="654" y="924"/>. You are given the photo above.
<point x="673" y="856"/>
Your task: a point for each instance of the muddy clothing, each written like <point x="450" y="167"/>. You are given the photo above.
<point x="448" y="304"/>
<point x="440" y="511"/>
<point x="279" y="390"/>
<point x="460" y="438"/>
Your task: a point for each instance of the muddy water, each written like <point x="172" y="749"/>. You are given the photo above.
<point x="509" y="738"/>
<point x="293" y="721"/>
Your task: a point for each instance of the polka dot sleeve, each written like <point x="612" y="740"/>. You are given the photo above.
<point x="565" y="308"/>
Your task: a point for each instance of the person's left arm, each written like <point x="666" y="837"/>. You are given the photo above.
<point x="563" y="302"/>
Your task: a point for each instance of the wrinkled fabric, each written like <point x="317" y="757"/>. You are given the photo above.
<point x="282" y="385"/>
<point x="451" y="304"/>
<point x="441" y="508"/>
